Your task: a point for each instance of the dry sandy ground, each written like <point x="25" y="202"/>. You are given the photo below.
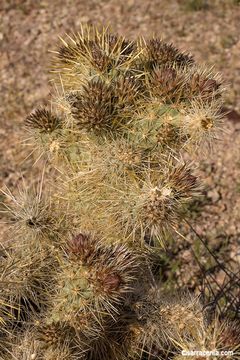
<point x="29" y="29"/>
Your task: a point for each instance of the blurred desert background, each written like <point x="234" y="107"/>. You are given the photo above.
<point x="209" y="30"/>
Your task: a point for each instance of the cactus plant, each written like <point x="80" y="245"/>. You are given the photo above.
<point x="122" y="115"/>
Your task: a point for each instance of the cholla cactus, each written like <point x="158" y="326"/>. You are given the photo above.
<point x="77" y="280"/>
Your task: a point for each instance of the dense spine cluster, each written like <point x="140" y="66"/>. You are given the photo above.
<point x="78" y="278"/>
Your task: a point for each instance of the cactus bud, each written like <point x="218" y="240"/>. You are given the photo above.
<point x="161" y="53"/>
<point x="81" y="246"/>
<point x="93" y="109"/>
<point x="43" y="120"/>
